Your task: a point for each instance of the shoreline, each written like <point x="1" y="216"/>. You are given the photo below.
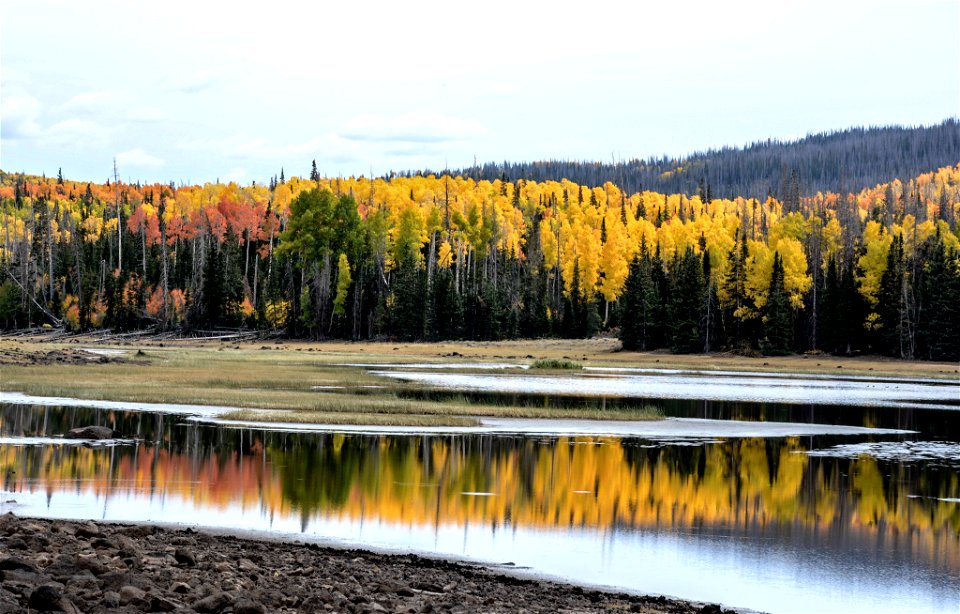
<point x="598" y="351"/>
<point x="87" y="566"/>
<point x="671" y="428"/>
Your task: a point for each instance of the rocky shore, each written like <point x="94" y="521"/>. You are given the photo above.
<point x="63" y="566"/>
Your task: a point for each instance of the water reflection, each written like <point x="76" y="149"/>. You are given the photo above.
<point x="740" y="387"/>
<point x="934" y="423"/>
<point x="751" y="513"/>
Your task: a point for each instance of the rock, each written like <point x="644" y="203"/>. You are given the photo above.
<point x="138" y="531"/>
<point x="17" y="543"/>
<point x="67" y="606"/>
<point x="88" y="529"/>
<point x="162" y="604"/>
<point x="19" y="576"/>
<point x="246" y="606"/>
<point x="179" y="587"/>
<point x="247" y="565"/>
<point x="46" y="598"/>
<point x="185" y="557"/>
<point x="9" y="607"/>
<point x="80" y="581"/>
<point x="132" y="594"/>
<point x="114" y="580"/>
<point x="214" y="603"/>
<point x="127" y="546"/>
<point x="91" y="564"/>
<point x="429" y="587"/>
<point x="111" y="600"/>
<point x="13" y="562"/>
<point x="92" y="432"/>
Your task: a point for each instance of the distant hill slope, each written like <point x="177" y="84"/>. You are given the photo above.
<point x="842" y="161"/>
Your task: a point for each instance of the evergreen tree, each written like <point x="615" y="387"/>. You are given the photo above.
<point x="639" y="303"/>
<point x="444" y="319"/>
<point x="891" y="305"/>
<point x="213" y="299"/>
<point x="940" y="334"/>
<point x="409" y="294"/>
<point x="734" y="284"/>
<point x="574" y="312"/>
<point x="777" y="319"/>
<point x="686" y="303"/>
<point x="829" y="297"/>
<point x="662" y="297"/>
<point x="851" y="313"/>
<point x="710" y="311"/>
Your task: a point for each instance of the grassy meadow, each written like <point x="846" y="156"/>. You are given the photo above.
<point x="310" y="384"/>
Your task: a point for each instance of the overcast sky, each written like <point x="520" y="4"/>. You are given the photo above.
<point x="195" y="91"/>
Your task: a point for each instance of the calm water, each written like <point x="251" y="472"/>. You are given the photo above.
<point x="748" y="522"/>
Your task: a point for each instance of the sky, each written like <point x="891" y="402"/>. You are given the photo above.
<point x="202" y="91"/>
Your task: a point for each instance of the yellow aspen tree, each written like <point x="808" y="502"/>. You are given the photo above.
<point x="548" y="243"/>
<point x="873" y="263"/>
<point x="614" y="259"/>
<point x="832" y="239"/>
<point x="759" y="269"/>
<point x="796" y="278"/>
<point x="343" y="284"/>
<point x="445" y="255"/>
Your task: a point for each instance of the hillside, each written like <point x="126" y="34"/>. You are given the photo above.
<point x="842" y="161"/>
<point x="430" y="258"/>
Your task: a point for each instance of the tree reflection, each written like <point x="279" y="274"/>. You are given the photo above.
<point x="753" y="486"/>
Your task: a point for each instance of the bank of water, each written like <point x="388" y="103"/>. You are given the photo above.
<point x="773" y="517"/>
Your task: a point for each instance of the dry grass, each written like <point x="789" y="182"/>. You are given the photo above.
<point x="287" y="376"/>
<point x="252" y="378"/>
<point x="606" y="352"/>
<point x="557" y="364"/>
<point x="591" y="352"/>
<point x="357" y="419"/>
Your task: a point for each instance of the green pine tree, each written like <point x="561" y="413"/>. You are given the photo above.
<point x="639" y="303"/>
<point x="686" y="305"/>
<point x="777" y="319"/>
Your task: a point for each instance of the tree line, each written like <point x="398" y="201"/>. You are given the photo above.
<point x="448" y="257"/>
<point x="840" y="161"/>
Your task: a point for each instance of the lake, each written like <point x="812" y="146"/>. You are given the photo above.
<point x="825" y="513"/>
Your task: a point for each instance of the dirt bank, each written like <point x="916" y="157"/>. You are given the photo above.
<point x="89" y="567"/>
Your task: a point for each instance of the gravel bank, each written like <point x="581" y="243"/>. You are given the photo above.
<point x="50" y="565"/>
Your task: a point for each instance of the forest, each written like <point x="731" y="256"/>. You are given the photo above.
<point x="842" y="161"/>
<point x="436" y="257"/>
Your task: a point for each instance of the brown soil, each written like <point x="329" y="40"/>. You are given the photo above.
<point x="38" y="356"/>
<point x="50" y="565"/>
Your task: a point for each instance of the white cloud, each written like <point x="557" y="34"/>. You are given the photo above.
<point x="191" y="84"/>
<point x="137" y="157"/>
<point x="77" y="133"/>
<point x="238" y="174"/>
<point x="95" y="101"/>
<point x="417" y="127"/>
<point x="145" y="114"/>
<point x="251" y="147"/>
<point x="19" y="116"/>
<point x="263" y="90"/>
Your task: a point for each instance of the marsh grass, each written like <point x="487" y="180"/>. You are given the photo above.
<point x="353" y="419"/>
<point x="277" y="380"/>
<point x="556" y="363"/>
